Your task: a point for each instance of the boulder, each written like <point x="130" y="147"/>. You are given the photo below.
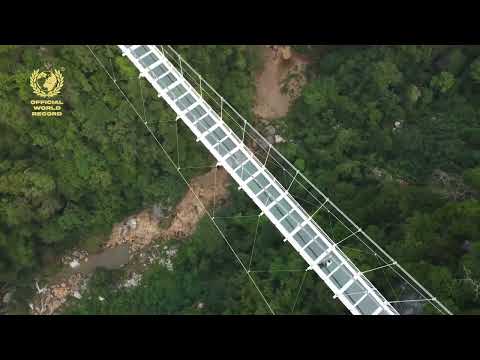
<point x="278" y="139"/>
<point x="132" y="223"/>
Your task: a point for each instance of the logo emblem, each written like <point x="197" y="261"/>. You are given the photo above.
<point x="46" y="84"/>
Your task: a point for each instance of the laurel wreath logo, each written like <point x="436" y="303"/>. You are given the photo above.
<point x="53" y="83"/>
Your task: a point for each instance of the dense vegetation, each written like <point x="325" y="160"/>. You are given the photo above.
<point x="391" y="133"/>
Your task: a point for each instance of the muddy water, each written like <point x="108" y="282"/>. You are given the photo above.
<point x="112" y="258"/>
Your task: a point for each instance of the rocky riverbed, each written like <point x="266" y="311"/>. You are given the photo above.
<point x="134" y="244"/>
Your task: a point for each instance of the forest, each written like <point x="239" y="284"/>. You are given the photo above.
<point x="391" y="133"/>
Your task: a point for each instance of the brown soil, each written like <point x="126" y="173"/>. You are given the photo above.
<point x="187" y="214"/>
<point x="280" y="64"/>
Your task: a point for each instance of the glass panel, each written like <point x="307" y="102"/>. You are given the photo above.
<point x="302" y="237"/>
<point x="354" y="292"/>
<point x="308" y="229"/>
<point x="266" y="197"/>
<point x="273" y="193"/>
<point x="148" y="60"/>
<point x="246" y="170"/>
<point x="341" y="276"/>
<point x="195" y="113"/>
<point x="278" y="211"/>
<point x="250" y="169"/>
<point x="263" y="197"/>
<point x="219" y="133"/>
<point x="207" y="122"/>
<point x="141" y="50"/>
<point x="201" y="127"/>
<point x="185" y="102"/>
<point x="284" y="203"/>
<point x="176" y="92"/>
<point x="226" y="146"/>
<point x="297" y="217"/>
<point x="166" y="81"/>
<point x="329" y="264"/>
<point x="254" y="186"/>
<point x="212" y="139"/>
<point x="158" y="71"/>
<point x="368" y="305"/>
<point x="289" y="223"/>
<point x="315" y="249"/>
<point x="262" y="180"/>
<point x="236" y="159"/>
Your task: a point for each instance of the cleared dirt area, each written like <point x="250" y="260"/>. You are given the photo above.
<point x="283" y="68"/>
<point x="147" y="226"/>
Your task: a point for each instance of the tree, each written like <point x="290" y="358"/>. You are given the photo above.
<point x="385" y="74"/>
<point x="443" y="82"/>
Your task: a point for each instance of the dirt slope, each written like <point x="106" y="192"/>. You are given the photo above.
<point x="280" y="64"/>
<point x="186" y="215"/>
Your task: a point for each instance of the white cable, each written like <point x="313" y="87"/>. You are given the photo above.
<point x="300" y="288"/>
<point x="253" y="245"/>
